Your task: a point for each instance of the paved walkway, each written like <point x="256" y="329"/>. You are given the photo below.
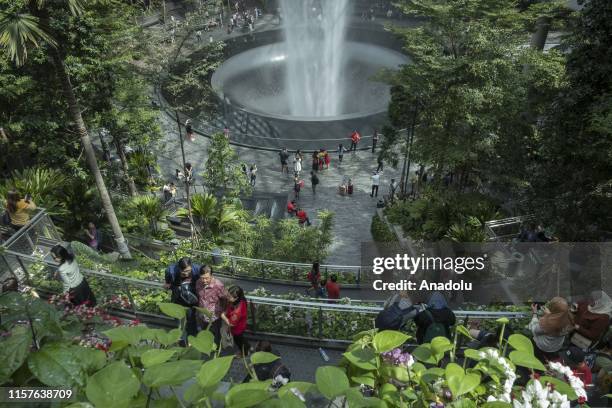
<point x="352" y="214"/>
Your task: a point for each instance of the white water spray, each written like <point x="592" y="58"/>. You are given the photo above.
<point x="314" y="38"/>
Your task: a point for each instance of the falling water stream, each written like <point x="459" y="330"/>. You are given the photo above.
<point x="314" y="39"/>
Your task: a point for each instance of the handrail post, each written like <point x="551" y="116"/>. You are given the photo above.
<point x="320" y="323"/>
<point x="26" y="273"/>
<point x="233" y="263"/>
<point x="263" y="271"/>
<point x="294" y="273"/>
<point x="253" y="318"/>
<point x="359" y="275"/>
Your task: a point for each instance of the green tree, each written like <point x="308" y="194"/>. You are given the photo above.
<point x="223" y="172"/>
<point x="571" y="183"/>
<point x="468" y="82"/>
<point x="28" y="24"/>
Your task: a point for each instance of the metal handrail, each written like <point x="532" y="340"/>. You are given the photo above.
<point x="40" y="212"/>
<point x="271" y="301"/>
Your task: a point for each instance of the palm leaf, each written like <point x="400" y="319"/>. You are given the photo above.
<point x="18" y="32"/>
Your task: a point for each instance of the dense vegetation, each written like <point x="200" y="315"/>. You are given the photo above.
<point x="525" y="128"/>
<point x="110" y="362"/>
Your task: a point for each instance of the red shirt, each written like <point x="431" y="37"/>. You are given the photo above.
<point x="584" y="373"/>
<point x="237" y="315"/>
<point x="290" y="207"/>
<point x="355" y="137"/>
<point x="333" y="290"/>
<point x="302" y="215"/>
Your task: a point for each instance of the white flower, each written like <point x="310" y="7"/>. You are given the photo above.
<point x="279" y="379"/>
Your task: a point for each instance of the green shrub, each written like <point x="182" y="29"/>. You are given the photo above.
<point x="380" y="230"/>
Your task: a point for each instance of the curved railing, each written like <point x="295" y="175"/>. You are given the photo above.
<point x="306" y="320"/>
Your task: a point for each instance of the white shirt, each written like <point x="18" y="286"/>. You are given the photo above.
<point x="375" y="179"/>
<point x="70" y="275"/>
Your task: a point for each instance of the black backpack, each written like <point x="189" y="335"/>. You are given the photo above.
<point x="184" y="295"/>
<point x="435" y="329"/>
<point x="390" y="318"/>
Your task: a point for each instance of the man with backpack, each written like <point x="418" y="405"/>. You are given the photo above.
<point x="181" y="279"/>
<point x="435" y="320"/>
<point x="397" y="311"/>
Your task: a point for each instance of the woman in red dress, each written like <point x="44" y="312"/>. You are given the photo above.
<point x="236" y="318"/>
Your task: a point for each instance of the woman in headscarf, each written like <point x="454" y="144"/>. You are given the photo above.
<point x="550" y="329"/>
<point x="434" y="320"/>
<point x="591" y="320"/>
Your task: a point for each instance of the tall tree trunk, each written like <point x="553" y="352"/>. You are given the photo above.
<point x="124" y="165"/>
<point x="538" y="39"/>
<point x="75" y="112"/>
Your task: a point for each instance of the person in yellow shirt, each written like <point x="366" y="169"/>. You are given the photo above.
<point x="19" y="209"/>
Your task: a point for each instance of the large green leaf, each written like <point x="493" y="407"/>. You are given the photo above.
<point x="173" y="310"/>
<point x="521" y="343"/>
<point x="290" y="400"/>
<point x="156" y="356"/>
<point x="113" y="386"/>
<point x="439" y="346"/>
<point x="57" y="365"/>
<point x="13" y="351"/>
<point x="172" y="373"/>
<point x="261" y="357"/>
<point x="167" y="338"/>
<point x="331" y="381"/>
<point x="301" y="386"/>
<point x="247" y="394"/>
<point x="125" y="334"/>
<point x="92" y="360"/>
<point x="424" y="354"/>
<point x="525" y="359"/>
<point x="204" y="342"/>
<point x="473" y="354"/>
<point x="363" y="358"/>
<point x="388" y="340"/>
<point x="458" y="381"/>
<point x="213" y="371"/>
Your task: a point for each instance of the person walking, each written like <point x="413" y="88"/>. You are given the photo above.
<point x="284" y="156"/>
<point x="302" y="217"/>
<point x="235" y="316"/>
<point x="392" y="189"/>
<point x="314" y="278"/>
<point x="315" y="161"/>
<point x="380" y="164"/>
<point x="181" y="279"/>
<point x="340" y="152"/>
<point x="297" y="164"/>
<point x="332" y="288"/>
<point x="73" y="282"/>
<point x="375" y="183"/>
<point x="189" y="130"/>
<point x="314" y="181"/>
<point x="253" y="173"/>
<point x="326" y="159"/>
<point x="355" y="138"/>
<point x="211" y="295"/>
<point x="296" y="187"/>
<point x="374" y="140"/>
